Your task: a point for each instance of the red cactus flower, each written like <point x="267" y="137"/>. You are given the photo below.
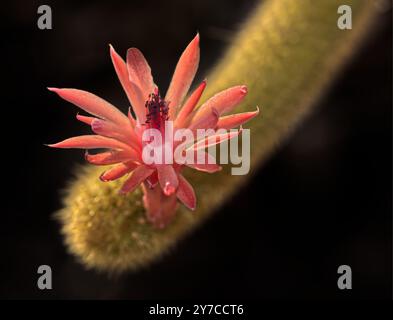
<point x="121" y="135"/>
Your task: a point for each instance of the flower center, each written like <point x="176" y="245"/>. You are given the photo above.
<point x="156" y="110"/>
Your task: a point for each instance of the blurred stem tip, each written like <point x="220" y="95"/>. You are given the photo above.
<point x="287" y="53"/>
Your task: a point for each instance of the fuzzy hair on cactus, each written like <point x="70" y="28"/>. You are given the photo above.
<point x="286" y="53"/>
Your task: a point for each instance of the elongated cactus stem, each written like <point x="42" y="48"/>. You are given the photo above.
<point x="286" y="53"/>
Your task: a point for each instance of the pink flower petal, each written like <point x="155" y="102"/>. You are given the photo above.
<point x="208" y="121"/>
<point x="183" y="76"/>
<point x="130" y="117"/>
<point x="185" y="193"/>
<point x="118" y="171"/>
<point x="138" y="176"/>
<point x="207" y="165"/>
<point x="92" y="104"/>
<point x="108" y="157"/>
<point x="139" y="107"/>
<point x="235" y="120"/>
<point x="184" y="113"/>
<point x="134" y="93"/>
<point x="107" y="129"/>
<point x="111" y="130"/>
<point x="85" y="119"/>
<point x="91" y="142"/>
<point x="168" y="179"/>
<point x="209" y="168"/>
<point x="215" y="139"/>
<point x="223" y="101"/>
<point x="139" y="72"/>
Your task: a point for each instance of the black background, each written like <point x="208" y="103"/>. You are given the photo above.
<point x="322" y="200"/>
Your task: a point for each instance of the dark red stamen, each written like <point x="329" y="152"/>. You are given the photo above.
<point x="156" y="110"/>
